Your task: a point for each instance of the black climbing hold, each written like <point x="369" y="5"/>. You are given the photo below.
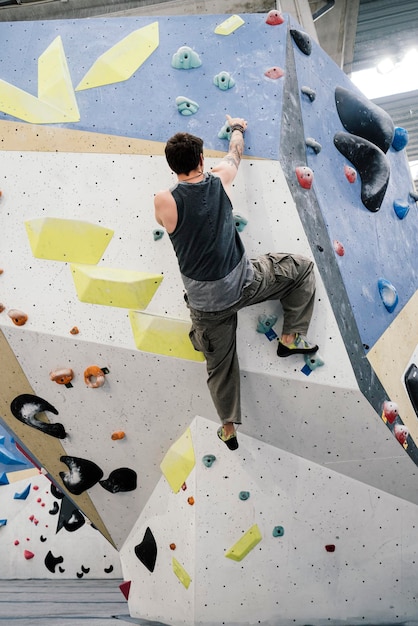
<point x="146" y="551"/>
<point x="372" y="165"/>
<point x="75" y="522"/>
<point x="52" y="561"/>
<point x="42" y="539"/>
<point x="82" y="474"/>
<point x="85" y="570"/>
<point x="320" y="248"/>
<point x="61" y="569"/>
<point x="56" y="492"/>
<point x="108" y="570"/>
<point x="121" y="479"/>
<point x="302" y="40"/>
<point x="26" y="407"/>
<point x="362" y="117"/>
<point x="411" y="384"/>
<point x="80" y="574"/>
<point x="55" y="509"/>
<point x="308" y="91"/>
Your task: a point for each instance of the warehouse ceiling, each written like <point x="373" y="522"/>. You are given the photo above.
<point x="357" y="34"/>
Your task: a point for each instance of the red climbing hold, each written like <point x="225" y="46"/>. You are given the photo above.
<point x="274" y="72"/>
<point x="338" y="247"/>
<point x="350" y="173"/>
<point x="125" y="587"/>
<point x="305" y="176"/>
<point x="330" y="547"/>
<point x="28" y="555"/>
<point x="274" y="18"/>
<point x="16" y="542"/>
<point x="390" y="411"/>
<point x="401" y="433"/>
<point x="184" y="486"/>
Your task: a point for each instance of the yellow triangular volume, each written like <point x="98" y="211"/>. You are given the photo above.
<point x="181" y="573"/>
<point x="228" y="26"/>
<point x="163" y="335"/>
<point x="115" y="287"/>
<point x="67" y="240"/>
<point x="243" y="546"/>
<point x="123" y="59"/>
<point x="179" y="461"/>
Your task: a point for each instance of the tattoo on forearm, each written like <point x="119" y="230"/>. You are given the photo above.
<point x="236" y="149"/>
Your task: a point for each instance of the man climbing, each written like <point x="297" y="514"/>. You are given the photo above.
<point x="218" y="276"/>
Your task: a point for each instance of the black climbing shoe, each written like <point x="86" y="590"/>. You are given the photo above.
<point x="300" y="345"/>
<point x="231" y="442"/>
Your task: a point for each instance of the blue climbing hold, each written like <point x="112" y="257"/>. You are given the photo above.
<point x="278" y="531"/>
<point x="8" y="458"/>
<point x="401" y="208"/>
<point x="240" y="222"/>
<point x="158" y="233"/>
<point x="185" y="59"/>
<point x="3" y="479"/>
<point x="244" y="495"/>
<point x="3" y="522"/>
<point x="224" y="81"/>
<point x="23" y="494"/>
<point x="400" y="138"/>
<point x="208" y="460"/>
<point x="388" y="294"/>
<point x="186" y="106"/>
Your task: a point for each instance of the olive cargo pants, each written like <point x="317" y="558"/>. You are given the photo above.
<point x="285" y="277"/>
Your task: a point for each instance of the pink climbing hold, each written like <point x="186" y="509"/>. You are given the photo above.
<point x="274" y="72"/>
<point x="338" y="247"/>
<point x="305" y="176"/>
<point x="28" y="555"/>
<point x="125" y="588"/>
<point x="274" y="18"/>
<point x="390" y="411"/>
<point x="401" y="433"/>
<point x="350" y="173"/>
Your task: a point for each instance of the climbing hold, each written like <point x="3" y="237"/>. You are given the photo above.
<point x="23" y="494"/>
<point x="313" y="361"/>
<point x="190" y="500"/>
<point x="274" y="72"/>
<point x="85" y="570"/>
<point x="372" y="165"/>
<point x="208" y="460"/>
<point x="305" y="176"/>
<point x="401" y="433"/>
<point x="16" y="542"/>
<point x="158" y="233"/>
<point x="3" y="522"/>
<point x="108" y="570"/>
<point x="361" y="117"/>
<point x="302" y="40"/>
<point x="74" y="330"/>
<point x="2" y="307"/>
<point x="179" y="461"/>
<point x="146" y="551"/>
<point x="308" y="91"/>
<point x="278" y="531"/>
<point x="52" y="561"/>
<point x="330" y="547"/>
<point x="25" y="408"/>
<point x="315" y="145"/>
<point x="8" y="458"/>
<point x="125" y="587"/>
<point x="224" y="81"/>
<point x="181" y="573"/>
<point x="338" y="247"/>
<point x="388" y="294"/>
<point x="274" y="18"/>
<point x="244" y="495"/>
<point x="350" y="173"/>
<point x="225" y="132"/>
<point x="75" y="522"/>
<point x="265" y="325"/>
<point x="121" y="479"/>
<point x="118" y="434"/>
<point x="94" y="377"/>
<point x="411" y="384"/>
<point x="82" y="475"/>
<point x="185" y="59"/>
<point x="28" y="555"/>
<point x="56" y="492"/>
<point x="55" y="509"/>
<point x="414" y="195"/>
<point x="390" y="411"/>
<point x="228" y="26"/>
<point x="240" y="222"/>
<point x="245" y="544"/>
<point x="18" y="317"/>
<point x="172" y="546"/>
<point x="62" y="376"/>
<point x="186" y="106"/>
<point x="3" y="479"/>
<point x="400" y="138"/>
<point x="184" y="487"/>
<point x="401" y="208"/>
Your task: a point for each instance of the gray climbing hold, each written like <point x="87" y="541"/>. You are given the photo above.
<point x="308" y="91"/>
<point x="315" y="145"/>
<point x="302" y="40"/>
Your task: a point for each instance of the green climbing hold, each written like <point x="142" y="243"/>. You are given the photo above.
<point x="244" y="495"/>
<point x="224" y="81"/>
<point x="158" y="233"/>
<point x="209" y="460"/>
<point x="278" y="531"/>
<point x="186" y="106"/>
<point x="240" y="222"/>
<point x="185" y="59"/>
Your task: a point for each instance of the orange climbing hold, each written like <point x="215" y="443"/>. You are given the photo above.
<point x="2" y="307"/>
<point x="118" y="434"/>
<point x="18" y="317"/>
<point x="305" y="176"/>
<point x="74" y="330"/>
<point x="190" y="500"/>
<point x="94" y="377"/>
<point x="173" y="546"/>
<point x="1" y="271"/>
<point x="62" y="376"/>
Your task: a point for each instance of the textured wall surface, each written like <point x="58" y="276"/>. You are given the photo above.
<point x="322" y="456"/>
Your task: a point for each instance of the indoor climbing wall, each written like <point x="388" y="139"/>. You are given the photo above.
<point x="100" y="383"/>
<point x="43" y="535"/>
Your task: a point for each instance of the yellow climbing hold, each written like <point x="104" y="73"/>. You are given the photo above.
<point x="179" y="461"/>
<point x="67" y="240"/>
<point x="115" y="287"/>
<point x="228" y="26"/>
<point x="243" y="546"/>
<point x="181" y="573"/>
<point x="56" y="100"/>
<point x="163" y="335"/>
<point x="123" y="59"/>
